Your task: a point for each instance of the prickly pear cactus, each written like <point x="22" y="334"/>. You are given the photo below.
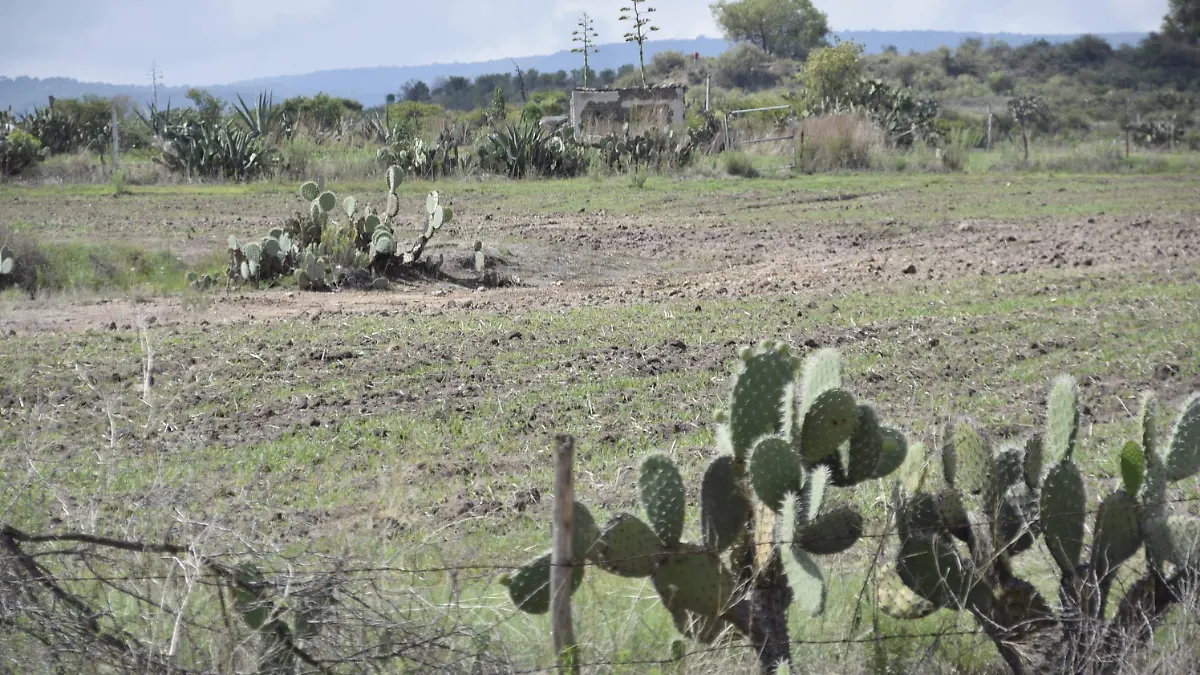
<point x="998" y="503"/>
<point x="763" y="516"/>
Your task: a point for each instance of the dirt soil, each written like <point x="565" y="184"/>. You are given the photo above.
<point x="570" y="260"/>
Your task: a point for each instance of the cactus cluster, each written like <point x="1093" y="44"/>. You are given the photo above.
<point x="310" y="271"/>
<point x="997" y="501"/>
<point x="199" y="282"/>
<point x="268" y="258"/>
<point x="364" y="244"/>
<point x="791" y="438"/>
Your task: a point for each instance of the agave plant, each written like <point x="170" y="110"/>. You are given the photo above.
<point x="263" y="119"/>
<point x="212" y="151"/>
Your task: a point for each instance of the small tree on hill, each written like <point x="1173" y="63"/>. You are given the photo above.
<point x="585" y="37"/>
<point x="790" y="28"/>
<point x="637" y="13"/>
<point x="1027" y="109"/>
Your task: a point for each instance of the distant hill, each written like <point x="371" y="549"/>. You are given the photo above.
<point x="372" y="85"/>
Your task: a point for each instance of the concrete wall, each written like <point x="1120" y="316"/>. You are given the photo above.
<point x="598" y="107"/>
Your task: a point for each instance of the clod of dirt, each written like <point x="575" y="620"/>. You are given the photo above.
<point x="911" y="269"/>
<point x="1166" y="371"/>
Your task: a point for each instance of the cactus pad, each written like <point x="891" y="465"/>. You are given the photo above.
<point x="1182" y="458"/>
<point x="394" y="176"/>
<point x="1035" y="451"/>
<point x="1133" y="467"/>
<point x="899" y="601"/>
<point x="392" y="207"/>
<point x="431" y="203"/>
<point x="584" y="534"/>
<point x="828" y="422"/>
<point x="349" y="206"/>
<point x="866" y="446"/>
<point x="919" y="514"/>
<point x="310" y="191"/>
<point x="724" y="509"/>
<point x="1062" y="507"/>
<point x="822" y="372"/>
<point x="1062" y="419"/>
<point x="832" y="532"/>
<point x="805" y="579"/>
<point x="234" y="244"/>
<point x="1009" y="468"/>
<point x="894" y="452"/>
<point x="529" y="586"/>
<point x="774" y="471"/>
<point x="1177" y="540"/>
<point x="663" y="498"/>
<point x="694" y="580"/>
<point x="953" y="512"/>
<point x="628" y="547"/>
<point x="813" y="494"/>
<point x="7" y="260"/>
<point x="932" y="568"/>
<point x="270" y="248"/>
<point x="760" y="389"/>
<point x="1118" y="532"/>
<point x="249" y="599"/>
<point x="967" y="458"/>
<point x="327" y="201"/>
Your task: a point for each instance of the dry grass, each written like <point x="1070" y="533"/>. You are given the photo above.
<point x="839" y="143"/>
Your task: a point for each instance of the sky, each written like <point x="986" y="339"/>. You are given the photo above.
<point x="203" y="42"/>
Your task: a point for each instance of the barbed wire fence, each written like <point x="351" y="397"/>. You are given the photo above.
<point x="76" y="599"/>
<point x="101" y="600"/>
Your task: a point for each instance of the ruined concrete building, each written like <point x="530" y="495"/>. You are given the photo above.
<point x="598" y="110"/>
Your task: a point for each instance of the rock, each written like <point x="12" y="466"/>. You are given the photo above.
<point x="911" y="269"/>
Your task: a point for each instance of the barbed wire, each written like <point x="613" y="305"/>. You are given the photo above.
<point x="481" y="567"/>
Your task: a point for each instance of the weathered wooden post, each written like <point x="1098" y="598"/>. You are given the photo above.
<point x="116" y="137"/>
<point x="561" y="570"/>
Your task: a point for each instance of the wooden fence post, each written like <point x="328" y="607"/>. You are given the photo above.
<point x="116" y="138"/>
<point x="989" y="128"/>
<point x="560" y="558"/>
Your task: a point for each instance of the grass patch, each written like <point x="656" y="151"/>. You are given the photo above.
<point x="79" y="267"/>
<point x="739" y="164"/>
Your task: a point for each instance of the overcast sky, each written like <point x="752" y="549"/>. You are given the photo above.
<point x="219" y="41"/>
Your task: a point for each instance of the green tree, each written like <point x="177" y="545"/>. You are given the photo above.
<point x="789" y="28"/>
<point x="832" y="72"/>
<point x="209" y="107"/>
<point x="1183" y="21"/>
<point x="1027" y="109"/>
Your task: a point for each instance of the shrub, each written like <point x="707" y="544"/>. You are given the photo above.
<point x="839" y="142"/>
<point x="744" y="67"/>
<point x="18" y="152"/>
<point x="668" y="62"/>
<point x="739" y="164"/>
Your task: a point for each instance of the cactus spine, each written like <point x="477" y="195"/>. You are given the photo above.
<point x="764" y="516"/>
